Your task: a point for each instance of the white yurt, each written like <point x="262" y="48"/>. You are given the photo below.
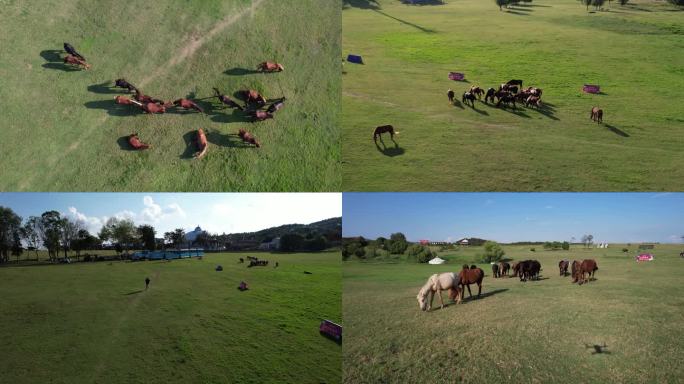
<point x="436" y="260"/>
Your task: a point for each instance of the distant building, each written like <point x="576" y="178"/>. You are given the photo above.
<point x="272" y="245"/>
<point x="191" y="236"/>
<point x="463" y="242"/>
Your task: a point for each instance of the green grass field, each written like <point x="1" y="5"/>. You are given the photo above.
<point x="633" y="52"/>
<point x="94" y="323"/>
<point x="534" y="332"/>
<point x="63" y="131"/>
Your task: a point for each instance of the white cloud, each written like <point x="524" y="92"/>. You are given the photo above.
<point x="92" y="223"/>
<point x="549" y="207"/>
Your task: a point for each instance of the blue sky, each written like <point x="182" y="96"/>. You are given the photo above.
<point x="214" y="212"/>
<point x="510" y="217"/>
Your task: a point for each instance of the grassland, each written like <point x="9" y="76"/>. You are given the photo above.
<point x="633" y="52"/>
<point x="534" y="332"/>
<point x="95" y="323"/>
<point x="63" y="131"/>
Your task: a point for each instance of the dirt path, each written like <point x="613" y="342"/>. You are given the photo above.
<point x="195" y="43"/>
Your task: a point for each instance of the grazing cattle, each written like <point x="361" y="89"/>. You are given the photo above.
<point x="188" y="104"/>
<point x="73" y="60"/>
<point x="491" y="92"/>
<point x="467" y="276"/>
<point x="588" y="267"/>
<point x="253" y="97"/>
<point x="575" y="271"/>
<point x="467" y="96"/>
<point x="268" y="66"/>
<point x="153" y="108"/>
<point x="597" y="115"/>
<point x="201" y="144"/>
<point x="72" y="51"/>
<point x="506" y="99"/>
<point x="384" y="129"/>
<point x="259" y="115"/>
<point x="122" y="83"/>
<point x="533" y="100"/>
<point x="135" y="142"/>
<point x="450" y="95"/>
<point x="563" y="267"/>
<point x="477" y="91"/>
<point x="436" y="284"/>
<point x="248" y="138"/>
<point x="226" y="100"/>
<point x="276" y="106"/>
<point x="504" y="267"/>
<point x="495" y="270"/>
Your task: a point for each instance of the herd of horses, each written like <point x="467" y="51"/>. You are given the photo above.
<point x="256" y="262"/>
<point x="256" y="106"/>
<point x="456" y="283"/>
<point x="507" y="94"/>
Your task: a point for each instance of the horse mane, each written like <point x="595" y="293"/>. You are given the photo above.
<point x="427" y="287"/>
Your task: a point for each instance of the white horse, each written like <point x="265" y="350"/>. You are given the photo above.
<point x="438" y="283"/>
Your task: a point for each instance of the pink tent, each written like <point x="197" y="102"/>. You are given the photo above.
<point x="644" y="257"/>
<point x="591" y="88"/>
<point x="456" y="76"/>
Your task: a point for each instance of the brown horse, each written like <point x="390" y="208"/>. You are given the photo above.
<point x="506" y="99"/>
<point x="73" y="60"/>
<point x="139" y="96"/>
<point x="135" y="142"/>
<point x="384" y="129"/>
<point x="469" y="276"/>
<point x="587" y="267"/>
<point x="226" y="100"/>
<point x="563" y="267"/>
<point x="122" y="83"/>
<point x="276" y="106"/>
<point x="153" y="108"/>
<point x="516" y="269"/>
<point x="201" y="144"/>
<point x="269" y="66"/>
<point x="597" y="115"/>
<point x="477" y="91"/>
<point x="188" y="104"/>
<point x="259" y="115"/>
<point x="468" y="96"/>
<point x="126" y="101"/>
<point x="450" y="95"/>
<point x="575" y="271"/>
<point x="248" y="138"/>
<point x="253" y="97"/>
<point x="515" y="82"/>
<point x="533" y="100"/>
<point x="504" y="267"/>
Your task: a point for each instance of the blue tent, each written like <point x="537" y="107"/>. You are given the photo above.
<point x="355" y="59"/>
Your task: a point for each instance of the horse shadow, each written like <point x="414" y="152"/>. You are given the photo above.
<point x="517" y="12"/>
<point x="457" y="103"/>
<point x="237" y="71"/>
<point x="480" y="111"/>
<point x="225" y="140"/>
<point x="105" y="88"/>
<point x="55" y="61"/>
<point x="548" y="112"/>
<point x="190" y="139"/>
<point x="112" y="108"/>
<point x="617" y="130"/>
<point x="237" y="116"/>
<point x="390" y="151"/>
<point x="124" y="145"/>
<point x="424" y="2"/>
<point x="485" y="294"/>
<point x="133" y="292"/>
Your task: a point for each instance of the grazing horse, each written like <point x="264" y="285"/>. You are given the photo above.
<point x="135" y="142"/>
<point x="126" y="101"/>
<point x="529" y="269"/>
<point x="153" y="108"/>
<point x="477" y="91"/>
<point x="259" y="115"/>
<point x="516" y="269"/>
<point x="188" y="104"/>
<point x="248" y="138"/>
<point x="226" y="100"/>
<point x="512" y="89"/>
<point x="437" y="283"/>
<point x="268" y="66"/>
<point x="495" y="270"/>
<point x="535" y="91"/>
<point x="468" y="96"/>
<point x="533" y="100"/>
<point x="504" y="267"/>
<point x="563" y="267"/>
<point x="201" y="144"/>
<point x="276" y="106"/>
<point x="146" y="99"/>
<point x="72" y="51"/>
<point x="515" y="82"/>
<point x="253" y="97"/>
<point x="503" y="87"/>
<point x="575" y="270"/>
<point x="597" y="115"/>
<point x="73" y="60"/>
<point x="450" y="95"/>
<point x="122" y="83"/>
<point x="384" y="129"/>
<point x="469" y="276"/>
<point x="587" y="267"/>
<point x="507" y="99"/>
<point x="490" y="94"/>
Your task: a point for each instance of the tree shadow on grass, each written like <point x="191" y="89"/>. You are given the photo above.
<point x="112" y="108"/>
<point x="133" y="292"/>
<point x="418" y="27"/>
<point x="617" y="130"/>
<point x="237" y="71"/>
<point x="105" y="88"/>
<point x="389" y="151"/>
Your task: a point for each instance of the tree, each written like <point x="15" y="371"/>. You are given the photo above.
<point x="84" y="241"/>
<point x="316" y="244"/>
<point x="30" y="233"/>
<point x="17" y="248"/>
<point x="175" y="237"/>
<point x="291" y="242"/>
<point x="10" y="226"/>
<point x="397" y="243"/>
<point x="68" y="233"/>
<point x="146" y="234"/>
<point x="492" y="252"/>
<point x="419" y="253"/>
<point x="565" y="246"/>
<point x="49" y="230"/>
<point x="122" y="231"/>
<point x="382" y="242"/>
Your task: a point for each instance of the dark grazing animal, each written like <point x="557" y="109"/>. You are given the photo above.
<point x="468" y="96"/>
<point x="506" y="99"/>
<point x="588" y="268"/>
<point x="490" y="94"/>
<point x="77" y="61"/>
<point x="248" y="138"/>
<point x="469" y="276"/>
<point x="563" y="267"/>
<point x="384" y="129"/>
<point x="477" y="91"/>
<point x="504" y="267"/>
<point x="226" y="100"/>
<point x="188" y="104"/>
<point x="533" y="100"/>
<point x="450" y="95"/>
<point x="276" y="106"/>
<point x="575" y="271"/>
<point x="515" y="82"/>
<point x="72" y="51"/>
<point x="122" y="83"/>
<point x="259" y="115"/>
<point x="597" y="115"/>
<point x="495" y="270"/>
<point x="529" y="269"/>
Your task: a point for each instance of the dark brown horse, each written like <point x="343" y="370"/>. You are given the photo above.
<point x="563" y="267"/>
<point x="495" y="270"/>
<point x="477" y="91"/>
<point x="248" y="138"/>
<point x="468" y="96"/>
<point x="122" y="83"/>
<point x="490" y="94"/>
<point x="533" y="100"/>
<point x="276" y="106"/>
<point x="575" y="271"/>
<point x="469" y="276"/>
<point x="135" y="142"/>
<point x="597" y="115"/>
<point x="72" y="51"/>
<point x="139" y="96"/>
<point x="587" y="267"/>
<point x="73" y="60"/>
<point x="253" y="97"/>
<point x="515" y="82"/>
<point x="384" y="129"/>
<point x="153" y="108"/>
<point x="188" y="104"/>
<point x="450" y="95"/>
<point x="506" y="99"/>
<point x="516" y="269"/>
<point x="226" y="100"/>
<point x="504" y="267"/>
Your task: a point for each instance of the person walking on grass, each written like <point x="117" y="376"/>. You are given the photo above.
<point x="147" y="283"/>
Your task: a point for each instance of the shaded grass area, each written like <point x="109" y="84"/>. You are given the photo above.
<point x="622" y="327"/>
<point x="62" y="125"/>
<point x="558" y="47"/>
<point x="96" y="323"/>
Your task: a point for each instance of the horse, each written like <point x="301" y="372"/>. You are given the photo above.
<point x="437" y="283"/>
<point x="139" y="96"/>
<point x="258" y="115"/>
<point x="248" y="138"/>
<point x="516" y="269"/>
<point x="276" y="106"/>
<point x="226" y="100"/>
<point x="72" y="51"/>
<point x="253" y="97"/>
<point x="533" y="100"/>
<point x="597" y="115"/>
<point x="504" y="267"/>
<point x="188" y="104"/>
<point x="490" y="94"/>
<point x="563" y="267"/>
<point x="536" y="91"/>
<point x="506" y="99"/>
<point x="153" y="108"/>
<point x="477" y="91"/>
<point x="384" y="129"/>
<point x="122" y="83"/>
<point x="515" y="82"/>
<point x="73" y="60"/>
<point x="588" y="267"/>
<point x="468" y="96"/>
<point x="126" y="101"/>
<point x="512" y="89"/>
<point x="450" y="95"/>
<point x="135" y="142"/>
<point x="575" y="271"/>
<point x="495" y="270"/>
<point x="201" y="144"/>
<point x="268" y="66"/>
<point x="529" y="269"/>
<point x="467" y="276"/>
<point x="503" y="87"/>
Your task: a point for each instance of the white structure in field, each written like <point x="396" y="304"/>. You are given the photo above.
<point x="272" y="245"/>
<point x="436" y="260"/>
<point x="191" y="236"/>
